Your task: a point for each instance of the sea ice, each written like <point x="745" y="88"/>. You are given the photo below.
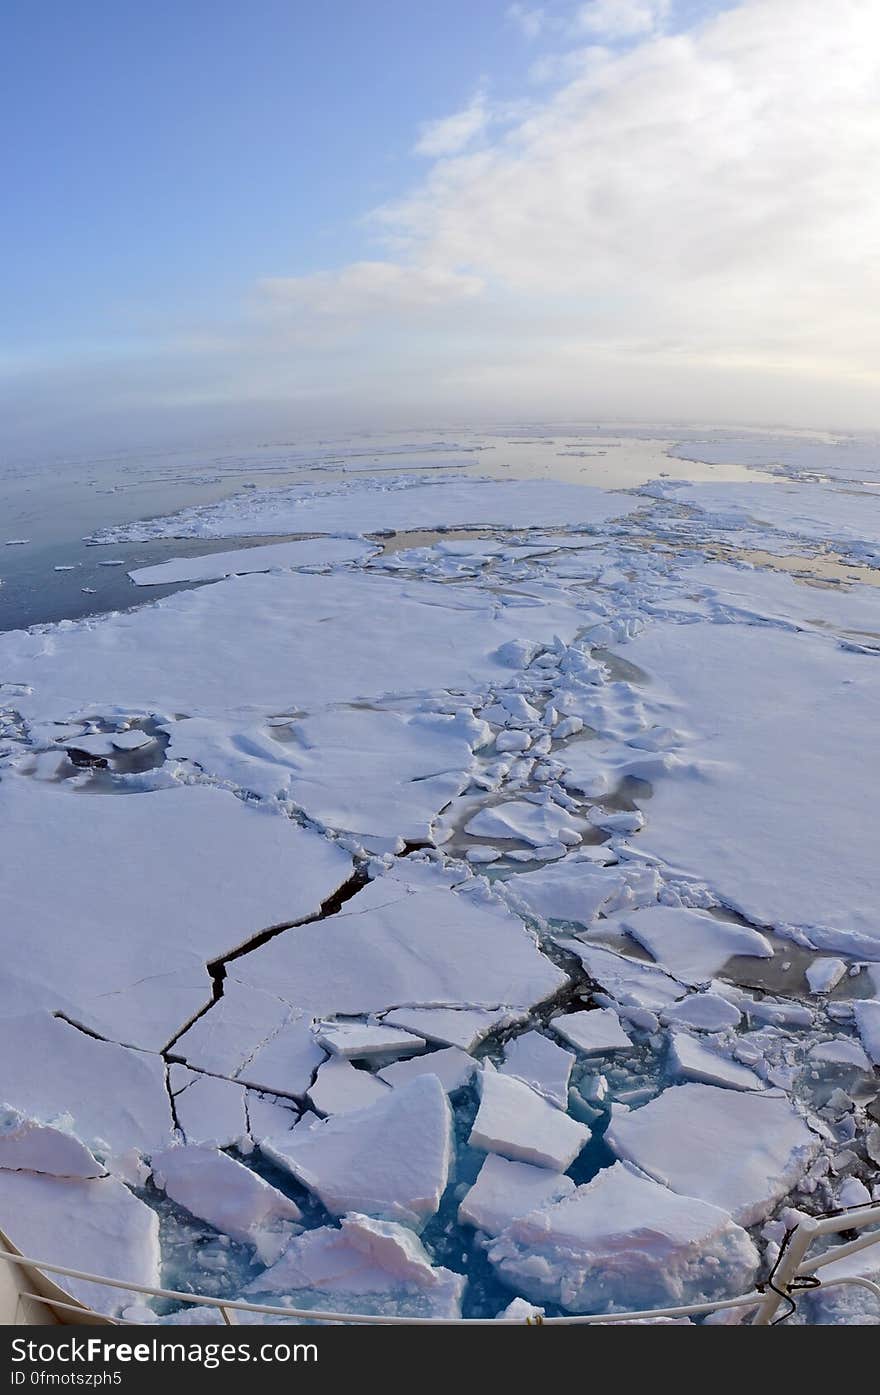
<point x="213" y="1186"/>
<point x="623" y="1242"/>
<point x="208" y="1108"/>
<point x="689" y="1059"/>
<point x="703" y="1012"/>
<point x="463" y="1027"/>
<point x="390" y="1160"/>
<point x="305" y="552"/>
<point x="519" y="1124"/>
<point x="824" y="974"/>
<point x="114" y="1097"/>
<point x="742" y="1151"/>
<point x="359" y="1040"/>
<point x="577" y="890"/>
<point x="365" y="1265"/>
<point x="867" y="1015"/>
<point x="34" y="1147"/>
<point x="505" y="1190"/>
<point x="693" y="946"/>
<point x="339" y="1088"/>
<point x="540" y="1063"/>
<point x="218" y="872"/>
<point x="537" y="824"/>
<point x="782" y="868"/>
<point x="592" y="1033"/>
<point x="452" y="1067"/>
<point x="95" y="1225"/>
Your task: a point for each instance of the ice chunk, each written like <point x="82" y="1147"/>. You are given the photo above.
<point x="95" y="1225"/>
<point x="519" y="1124"/>
<point x="269" y="1115"/>
<point x="464" y="1027"/>
<point x="690" y="944"/>
<point x="208" y="1108"/>
<point x="689" y="1059"/>
<point x="393" y="945"/>
<point x="115" y="1097"/>
<point x="40" y="1148"/>
<point x="630" y="982"/>
<point x="256" y="1037"/>
<point x="540" y="1063"/>
<point x="704" y="1012"/>
<point x="740" y="1151"/>
<point x="824" y="974"/>
<point x="840" y="1052"/>
<point x="537" y="824"/>
<point x="301" y="553"/>
<point x="867" y="1015"/>
<point x="520" y="1311"/>
<point x="340" y="1088"/>
<point x="577" y="890"/>
<point x="213" y="1186"/>
<point x="357" y="1040"/>
<point x="592" y="1033"/>
<point x="218" y="871"/>
<point x="390" y="1160"/>
<point x="452" y="1067"/>
<point x="624" y="1242"/>
<point x="505" y="1190"/>
<point x="366" y="1265"/>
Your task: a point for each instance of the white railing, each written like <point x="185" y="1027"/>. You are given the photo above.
<point x="793" y="1273"/>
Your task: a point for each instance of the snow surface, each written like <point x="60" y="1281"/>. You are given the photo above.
<point x="505" y="1190"/>
<point x="212" y="1185"/>
<point x="306" y="552"/>
<point x="592" y="1033"/>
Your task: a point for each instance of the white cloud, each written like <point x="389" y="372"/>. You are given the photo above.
<point x="365" y="289"/>
<point x="687" y="225"/>
<point x="451" y="134"/>
<point x="620" y="19"/>
<point x="530" y="22"/>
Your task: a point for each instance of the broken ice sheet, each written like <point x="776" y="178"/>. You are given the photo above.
<point x="229" y="1196"/>
<point x="303" y="552"/>
<point x="365" y="1265"/>
<point x="218" y="873"/>
<point x="692" y="945"/>
<point x="96" y="1225"/>
<point x="623" y="1242"/>
<point x="742" y="1151"/>
<point x="520" y="1124"/>
<point x="390" y="1160"/>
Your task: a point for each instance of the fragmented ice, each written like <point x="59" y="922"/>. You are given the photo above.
<point x="622" y="1242"/>
<point x="209" y="1109"/>
<point x="518" y="1123"/>
<point x="689" y="1059"/>
<point x="339" y="1087"/>
<point x="113" y="1098"/>
<point x="306" y="552"/>
<point x="742" y="1151"/>
<point x="592" y="1033"/>
<point x="33" y="1147"/>
<point x="452" y="1067"/>
<point x="212" y="1185"/>
<point x="96" y="1226"/>
<point x="690" y="944"/>
<point x="540" y="1063"/>
<point x="218" y="872"/>
<point x="505" y="1190"/>
<point x="390" y="1160"/>
<point x="364" y="1266"/>
<point x="391" y="945"/>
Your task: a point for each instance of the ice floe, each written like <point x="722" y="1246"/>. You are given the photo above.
<point x="305" y="552"/>
<point x="213" y="1186"/>
<point x="505" y="1190"/>
<point x="592" y="1033"/>
<point x="517" y="1122"/>
<point x="364" y="1266"/>
<point x="741" y="1151"/>
<point x="623" y="1242"/>
<point x="390" y="1160"/>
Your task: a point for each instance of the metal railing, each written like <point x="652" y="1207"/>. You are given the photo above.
<point x="792" y="1274"/>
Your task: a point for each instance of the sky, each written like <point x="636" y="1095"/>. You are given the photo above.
<point x="282" y="215"/>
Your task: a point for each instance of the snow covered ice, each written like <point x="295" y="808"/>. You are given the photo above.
<point x="441" y="923"/>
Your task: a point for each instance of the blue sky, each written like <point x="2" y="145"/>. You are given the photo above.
<point x="423" y="206"/>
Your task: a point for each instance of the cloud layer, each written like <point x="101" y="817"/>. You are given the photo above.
<point x="687" y="224"/>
